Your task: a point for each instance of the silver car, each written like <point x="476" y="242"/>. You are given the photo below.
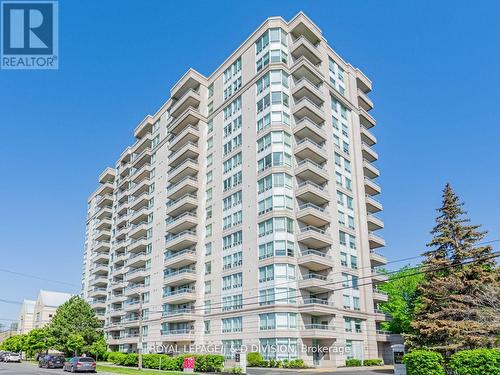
<point x="12" y="357"/>
<point x="80" y="364"/>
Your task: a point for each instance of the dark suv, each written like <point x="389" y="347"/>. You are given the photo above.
<point x="51" y="361"/>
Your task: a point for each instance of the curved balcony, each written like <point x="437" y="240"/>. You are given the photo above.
<point x="98" y="292"/>
<point x="191" y="98"/>
<point x="316" y="283"/>
<point x="306" y="108"/>
<point x="375" y="241"/>
<point x="315" y="260"/>
<point x="368" y="152"/>
<point x="308" y="149"/>
<point x="372" y="204"/>
<point x="317" y="331"/>
<point x="311" y="171"/>
<point x="181" y="223"/>
<point x="308" y="89"/>
<point x="316" y="307"/>
<point x="137" y="244"/>
<point x="377" y="259"/>
<point x="367" y="136"/>
<point x="180" y="277"/>
<point x="374" y="223"/>
<point x="190" y="116"/>
<point x="104" y="212"/>
<point x="139" y="230"/>
<point x="181" y="240"/>
<point x="366" y="119"/>
<point x="371" y="187"/>
<point x="370" y="170"/>
<point x="136" y="275"/>
<point x="103" y="224"/>
<point x="306" y="128"/>
<point x="313" y="215"/>
<point x="188" y="151"/>
<point x="308" y="191"/>
<point x="188" y="167"/>
<point x="102" y="246"/>
<point x="178" y="315"/>
<point x="104" y="200"/>
<point x="302" y="47"/>
<point x="364" y="101"/>
<point x="187" y="185"/>
<point x="180" y="258"/>
<point x="136" y="260"/>
<point x="185" y="203"/>
<point x="190" y="134"/>
<point x="185" y="334"/>
<point x="180" y="296"/>
<point x="379" y="295"/>
<point x="314" y="237"/>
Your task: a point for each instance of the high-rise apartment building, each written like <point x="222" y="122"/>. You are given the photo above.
<point x="244" y="213"/>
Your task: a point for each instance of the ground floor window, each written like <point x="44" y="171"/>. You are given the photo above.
<point x="278" y="348"/>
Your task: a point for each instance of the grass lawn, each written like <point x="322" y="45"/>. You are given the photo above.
<point x="134" y="371"/>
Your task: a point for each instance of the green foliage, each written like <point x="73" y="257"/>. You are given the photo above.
<point x="353" y="362"/>
<point x="14" y="343"/>
<point x="38" y="340"/>
<point x="424" y="362"/>
<point x="296" y="363"/>
<point x="254" y="359"/>
<point x="98" y="349"/>
<point x="373" y="362"/>
<point x="75" y="343"/>
<point x="234" y="370"/>
<point x="459" y="303"/>
<point x="75" y="317"/>
<point x="476" y="362"/>
<point x="402" y="289"/>
<point x="202" y="362"/>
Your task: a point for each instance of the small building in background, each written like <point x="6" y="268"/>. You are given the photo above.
<point x="25" y="322"/>
<point x="46" y="306"/>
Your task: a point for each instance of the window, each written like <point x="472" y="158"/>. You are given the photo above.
<point x="279" y="296"/>
<point x="263" y="103"/>
<point x="210" y="90"/>
<point x="275" y="224"/>
<point x="268" y="348"/>
<point x="229" y="347"/>
<point x="234" y="324"/>
<point x="234" y="302"/>
<point x="232" y="200"/>
<point x="273" y="160"/>
<point x="232" y="240"/>
<point x="208" y="230"/>
<point x="282" y="320"/>
<point x="276" y="248"/>
<point x="208" y="268"/>
<point x="209" y="177"/>
<point x="275" y="202"/>
<point x="356" y="303"/>
<point x="232" y="260"/>
<point x="232" y="281"/>
<point x="208" y="287"/>
<point x="274" y="180"/>
<point x="354" y="262"/>
<point x="206" y="324"/>
<point x="208" y="248"/>
<point x="264" y="122"/>
<point x="208" y="194"/>
<point x="276" y="272"/>
<point x="210" y="143"/>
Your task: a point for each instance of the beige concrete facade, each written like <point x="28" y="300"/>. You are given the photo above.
<point x="244" y="213"/>
<point x="46" y="306"/>
<point x="25" y="320"/>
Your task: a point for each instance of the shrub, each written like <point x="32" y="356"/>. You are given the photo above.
<point x="272" y="363"/>
<point x="424" y="362"/>
<point x="476" y="362"/>
<point x="254" y="359"/>
<point x="373" y="362"/>
<point x="296" y="363"/>
<point x="116" y="357"/>
<point x="353" y="362"/>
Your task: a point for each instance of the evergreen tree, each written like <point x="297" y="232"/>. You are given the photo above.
<point x="449" y="317"/>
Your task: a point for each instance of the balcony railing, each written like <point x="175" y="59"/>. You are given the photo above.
<point x="315" y="252"/>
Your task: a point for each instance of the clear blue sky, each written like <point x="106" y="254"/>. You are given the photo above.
<point x="434" y="65"/>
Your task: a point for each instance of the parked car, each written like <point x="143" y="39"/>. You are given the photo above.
<point x="51" y="361"/>
<point x="12" y="357"/>
<point x="80" y="364"/>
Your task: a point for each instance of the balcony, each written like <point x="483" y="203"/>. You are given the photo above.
<point x="381" y="316"/>
<point x="103" y="224"/>
<point x="314" y="237"/>
<point x="377" y="259"/>
<point x="138" y="244"/>
<point x="317" y="331"/>
<point x="191" y="98"/>
<point x="145" y="127"/>
<point x="378" y="277"/>
<point x="367" y="136"/>
<point x="379" y="295"/>
<point x="308" y="89"/>
<point x="140" y="215"/>
<point x="188" y="202"/>
<point x="104" y="212"/>
<point x="383" y="336"/>
<point x="103" y="234"/>
<point x="309" y="170"/>
<point x="364" y="101"/>
<point x="181" y="223"/>
<point x="375" y="241"/>
<point x="102" y="246"/>
<point x="312" y="215"/>
<point x="120" y="245"/>
<point x="316" y="307"/>
<point x="308" y="191"/>
<point x="374" y="223"/>
<point x="370" y="170"/>
<point x="303" y="68"/>
<point x="188" y="151"/>
<point x="316" y="283"/>
<point x="140" y="186"/>
<point x="308" y="149"/>
<point x="364" y="84"/>
<point x="305" y="128"/>
<point x="372" y="204"/>
<point x="98" y="292"/>
<point x="306" y="108"/>
<point x="98" y="303"/>
<point x="180" y="277"/>
<point x="141" y="200"/>
<point x="137" y="274"/>
<point x="139" y="174"/>
<point x="136" y="260"/>
<point x="188" y="167"/>
<point x="139" y="159"/>
<point x="366" y="119"/>
<point x="99" y="281"/>
<point x="100" y="268"/>
<point x="371" y="187"/>
<point x="139" y="229"/>
<point x="368" y="153"/>
<point x="105" y="189"/>
<point x="185" y="334"/>
<point x="180" y="296"/>
<point x="315" y="260"/>
<point x="302" y="47"/>
<point x="180" y="259"/>
<point x="178" y="315"/>
<point x="188" y="185"/>
<point x="191" y="116"/>
<point x="190" y="134"/>
<point x="131" y="305"/>
<point x="116" y="311"/>
<point x="100" y="256"/>
<point x="181" y="240"/>
<point x="104" y="200"/>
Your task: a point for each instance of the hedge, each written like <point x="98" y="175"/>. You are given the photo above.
<point x="424" y="362"/>
<point x="254" y="359"/>
<point x="353" y="362"/>
<point x="202" y="362"/>
<point x="476" y="362"/>
<point x="373" y="362"/>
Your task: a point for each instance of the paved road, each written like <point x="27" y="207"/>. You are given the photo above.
<point x="255" y="371"/>
<point x="24" y="368"/>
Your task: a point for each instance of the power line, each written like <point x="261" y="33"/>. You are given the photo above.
<point x="36" y="277"/>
